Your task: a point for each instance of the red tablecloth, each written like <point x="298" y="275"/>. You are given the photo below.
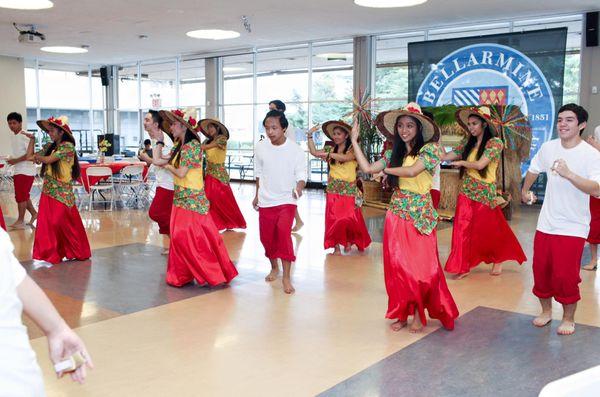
<point x="115" y="167"/>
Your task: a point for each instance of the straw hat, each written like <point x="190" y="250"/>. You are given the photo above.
<point x="462" y="117"/>
<point x="330" y="125"/>
<point x="203" y="127"/>
<point x="386" y="122"/>
<point x="187" y="118"/>
<point x="61" y="122"/>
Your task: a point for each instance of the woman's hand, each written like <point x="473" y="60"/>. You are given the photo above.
<point x="355" y="133"/>
<point x="314" y="129"/>
<point x="457" y="164"/>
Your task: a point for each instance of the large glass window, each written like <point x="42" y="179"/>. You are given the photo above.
<point x="192" y="85"/>
<point x="158" y="82"/>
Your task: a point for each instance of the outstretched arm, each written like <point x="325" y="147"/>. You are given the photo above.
<point x="361" y="159"/>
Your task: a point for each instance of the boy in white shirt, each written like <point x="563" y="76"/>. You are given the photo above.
<point x="20" y="374"/>
<point x="23" y="170"/>
<point x="281" y="172"/>
<point x="572" y="167"/>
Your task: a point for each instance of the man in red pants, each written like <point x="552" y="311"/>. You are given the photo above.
<point x="23" y="170"/>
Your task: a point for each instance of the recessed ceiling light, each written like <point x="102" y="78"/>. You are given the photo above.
<point x="388" y="3"/>
<point x="65" y="50"/>
<point x="26" y="4"/>
<point x="335" y="56"/>
<point x="213" y="34"/>
<point x="233" y="69"/>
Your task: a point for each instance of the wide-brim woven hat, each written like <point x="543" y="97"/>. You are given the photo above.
<point x="204" y="123"/>
<point x="462" y="117"/>
<point x="186" y="118"/>
<point x="330" y="125"/>
<point x="61" y="122"/>
<point x="386" y="122"/>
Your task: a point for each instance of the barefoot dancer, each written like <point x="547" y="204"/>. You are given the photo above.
<point x="414" y="278"/>
<point x="480" y="232"/>
<point x="344" y="223"/>
<point x="572" y="167"/>
<point x="280" y="170"/>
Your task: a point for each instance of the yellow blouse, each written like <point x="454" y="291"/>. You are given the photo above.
<point x="65" y="152"/>
<point x="492" y="151"/>
<point x="190" y="156"/>
<point x="343" y="171"/>
<point x="217" y="155"/>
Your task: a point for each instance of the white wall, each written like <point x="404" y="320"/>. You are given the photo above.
<point x="590" y="77"/>
<point x="12" y="98"/>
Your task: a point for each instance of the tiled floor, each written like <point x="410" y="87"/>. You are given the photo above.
<point x="251" y="339"/>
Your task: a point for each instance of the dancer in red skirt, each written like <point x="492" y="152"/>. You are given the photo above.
<point x="2" y="224"/>
<point x="197" y="250"/>
<point x="223" y="208"/>
<point x="414" y="278"/>
<point x="480" y="233"/>
<point x="344" y="223"/>
<point x="60" y="232"/>
<point x="593" y="238"/>
<point x="280" y="171"/>
<point x="160" y="209"/>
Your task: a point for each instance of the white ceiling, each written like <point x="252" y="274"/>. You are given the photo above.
<point x="111" y="27"/>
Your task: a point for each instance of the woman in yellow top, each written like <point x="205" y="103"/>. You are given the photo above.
<point x="224" y="210"/>
<point x="480" y="232"/>
<point x="59" y="232"/>
<point x="344" y="223"/>
<point x="414" y="278"/>
<point x="196" y="251"/>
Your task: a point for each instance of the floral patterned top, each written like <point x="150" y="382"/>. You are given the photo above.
<point x="189" y="190"/>
<point x="59" y="185"/>
<point x="215" y="160"/>
<point x="411" y="200"/>
<point x="476" y="187"/>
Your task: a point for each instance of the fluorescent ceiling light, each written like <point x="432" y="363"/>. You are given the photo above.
<point x="388" y="3"/>
<point x="26" y="4"/>
<point x="65" y="50"/>
<point x="335" y="56"/>
<point x="213" y="34"/>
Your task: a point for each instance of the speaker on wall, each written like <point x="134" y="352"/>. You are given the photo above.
<point x="104" y="75"/>
<point x="591" y="29"/>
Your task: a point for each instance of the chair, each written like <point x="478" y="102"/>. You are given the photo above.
<point x="130" y="183"/>
<point x="102" y="186"/>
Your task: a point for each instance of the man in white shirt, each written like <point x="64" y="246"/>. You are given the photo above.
<point x="572" y="167"/>
<point x="290" y="133"/>
<point x="20" y="375"/>
<point x="281" y="172"/>
<point x="23" y="170"/>
<point x="160" y="209"/>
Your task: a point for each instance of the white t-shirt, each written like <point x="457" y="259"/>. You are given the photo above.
<point x="19" y="143"/>
<point x="20" y="374"/>
<point x="435" y="185"/>
<point x="566" y="209"/>
<point x="279" y="168"/>
<point x="164" y="178"/>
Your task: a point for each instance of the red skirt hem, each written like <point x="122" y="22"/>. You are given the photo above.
<point x="414" y="279"/>
<point x="223" y="207"/>
<point x="481" y="235"/>
<point x="594" y="234"/>
<point x="344" y="223"/>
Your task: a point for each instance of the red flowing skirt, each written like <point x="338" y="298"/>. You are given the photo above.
<point x="197" y="251"/>
<point x="481" y="234"/>
<point x="223" y="208"/>
<point x="414" y="279"/>
<point x="344" y="223"/>
<point x="594" y="234"/>
<point x="2" y="224"/>
<point x="160" y="209"/>
<point x="436" y="195"/>
<point x="59" y="233"/>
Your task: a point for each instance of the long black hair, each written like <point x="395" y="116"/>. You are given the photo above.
<point x="75" y="170"/>
<point x="347" y="144"/>
<point x="189" y="136"/>
<point x="399" y="152"/>
<point x="472" y="141"/>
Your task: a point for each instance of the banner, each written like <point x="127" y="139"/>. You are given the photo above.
<point x="524" y="69"/>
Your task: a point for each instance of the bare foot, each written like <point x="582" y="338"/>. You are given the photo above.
<point x="298" y="226"/>
<point x="416" y="325"/>
<point x="17" y="226"/>
<point x="496" y="269"/>
<point x="165" y="251"/>
<point x="337" y="250"/>
<point x="542" y="320"/>
<point x="288" y="288"/>
<point x="460" y="276"/>
<point x="593" y="265"/>
<point x="32" y="220"/>
<point x="398" y="325"/>
<point x="566" y="328"/>
<point x="272" y="276"/>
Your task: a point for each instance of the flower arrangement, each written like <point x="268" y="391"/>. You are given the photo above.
<point x="104" y="145"/>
